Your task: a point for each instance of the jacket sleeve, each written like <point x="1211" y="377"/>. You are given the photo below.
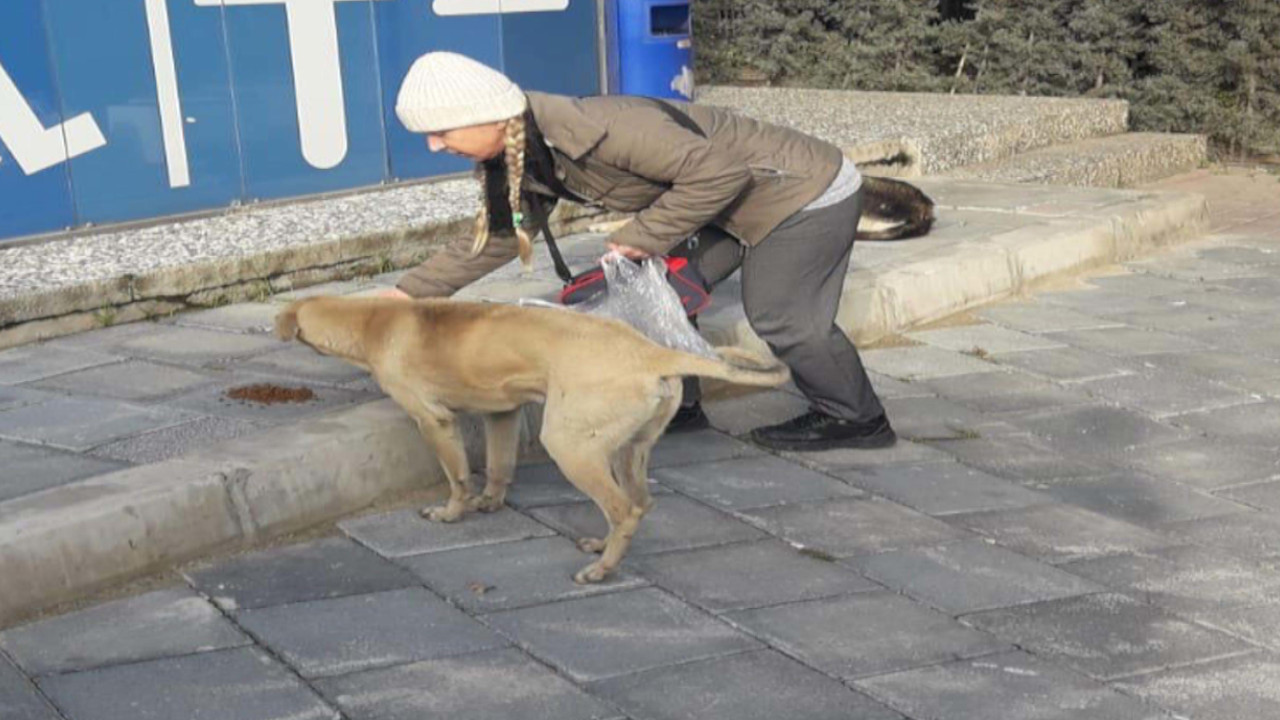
<point x="453" y="268"/>
<point x="704" y="181"/>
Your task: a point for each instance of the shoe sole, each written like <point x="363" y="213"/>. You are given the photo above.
<point x="871" y="443"/>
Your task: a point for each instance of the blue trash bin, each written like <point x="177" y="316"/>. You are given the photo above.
<point x="650" y="48"/>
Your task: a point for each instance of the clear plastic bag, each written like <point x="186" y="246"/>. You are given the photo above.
<point x="639" y="295"/>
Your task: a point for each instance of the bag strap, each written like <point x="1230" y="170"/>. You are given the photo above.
<point x="535" y="201"/>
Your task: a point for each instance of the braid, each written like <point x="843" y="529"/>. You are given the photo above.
<point x="482" y="217"/>
<point x="515" y="142"/>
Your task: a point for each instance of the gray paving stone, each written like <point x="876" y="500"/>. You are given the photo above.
<point x="747" y="575"/>
<point x="247" y="317"/>
<point x="1249" y="374"/>
<point x="78" y="424"/>
<point x="922" y="419"/>
<point x="923" y="363"/>
<point x="406" y="532"/>
<point x="1019" y="685"/>
<point x="1185" y="578"/>
<point x="195" y="346"/>
<point x="1059" y="533"/>
<point x="1207" y="465"/>
<point x="1101" y="302"/>
<point x="702" y="446"/>
<point x="983" y="339"/>
<point x="212" y="400"/>
<point x="607" y="635"/>
<point x="752" y="482"/>
<point x="176" y="440"/>
<point x="1098" y="431"/>
<point x="501" y="685"/>
<point x="1265" y="495"/>
<point x="673" y="523"/>
<point x="887" y="387"/>
<point x="1229" y="689"/>
<point x="19" y="699"/>
<point x="851" y="527"/>
<point x="1160" y="394"/>
<point x="129" y="380"/>
<point x="969" y="576"/>
<point x="243" y="683"/>
<point x="880" y="632"/>
<point x="329" y="568"/>
<point x="944" y="488"/>
<point x="35" y="362"/>
<point x="1256" y="284"/>
<point x="145" y="627"/>
<point x="1145" y="285"/>
<point x="750" y="686"/>
<point x="13" y="397"/>
<point x="1182" y="319"/>
<point x="29" y="469"/>
<point x="903" y="452"/>
<point x="739" y="415"/>
<point x="1226" y="300"/>
<point x="1241" y="255"/>
<point x="1019" y="458"/>
<point x="1254" y="535"/>
<point x="1259" y="422"/>
<point x="362" y="632"/>
<point x="1006" y="392"/>
<point x="1139" y="499"/>
<point x="1106" y="636"/>
<point x="1067" y="364"/>
<point x="1127" y="342"/>
<point x="303" y="363"/>
<point x="513" y="574"/>
<point x="1034" y="317"/>
<point x="1259" y="625"/>
<point x="544" y="484"/>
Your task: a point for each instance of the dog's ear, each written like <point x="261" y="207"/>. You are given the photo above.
<point x="287" y="322"/>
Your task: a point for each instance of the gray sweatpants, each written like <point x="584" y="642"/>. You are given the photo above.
<point x="791" y="285"/>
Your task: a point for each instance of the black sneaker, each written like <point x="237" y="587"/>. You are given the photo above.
<point x="688" y="419"/>
<point x="819" y="431"/>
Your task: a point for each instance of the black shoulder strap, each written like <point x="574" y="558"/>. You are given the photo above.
<point x="535" y="202"/>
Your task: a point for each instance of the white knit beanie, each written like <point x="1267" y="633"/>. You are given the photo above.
<point x="444" y="90"/>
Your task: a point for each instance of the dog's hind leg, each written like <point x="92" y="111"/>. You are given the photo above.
<point x="631" y="465"/>
<point x="502" y="443"/>
<point x="584" y="436"/>
<point x="441" y="433"/>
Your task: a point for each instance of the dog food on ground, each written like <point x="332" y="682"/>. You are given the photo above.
<point x="268" y="394"/>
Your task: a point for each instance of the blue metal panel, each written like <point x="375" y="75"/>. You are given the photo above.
<point x="39" y="201"/>
<point x="655" y="49"/>
<point x="108" y="57"/>
<point x="325" y="141"/>
<point x="407" y="30"/>
<point x="553" y="51"/>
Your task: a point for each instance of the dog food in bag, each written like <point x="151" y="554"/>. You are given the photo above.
<point x="640" y="295"/>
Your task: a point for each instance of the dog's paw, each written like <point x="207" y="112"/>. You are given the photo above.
<point x="593" y="573"/>
<point x="485" y="503"/>
<point x="591" y="545"/>
<point x="444" y="513"/>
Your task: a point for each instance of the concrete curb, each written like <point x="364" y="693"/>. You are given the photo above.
<point x="73" y="540"/>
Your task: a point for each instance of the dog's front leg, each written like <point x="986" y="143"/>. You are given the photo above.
<point x="441" y="433"/>
<point x="502" y="443"/>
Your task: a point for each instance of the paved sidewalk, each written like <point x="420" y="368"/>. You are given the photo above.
<point x="1083" y="521"/>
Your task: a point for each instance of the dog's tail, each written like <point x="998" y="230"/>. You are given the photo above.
<point x="734" y="365"/>
<point x="901" y="210"/>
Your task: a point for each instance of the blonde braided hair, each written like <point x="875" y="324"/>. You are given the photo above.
<point x="514" y="143"/>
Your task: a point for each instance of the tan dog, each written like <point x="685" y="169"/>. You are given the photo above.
<point x="609" y="392"/>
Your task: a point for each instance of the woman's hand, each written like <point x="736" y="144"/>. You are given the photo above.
<point x="395" y="293"/>
<point x="630" y="253"/>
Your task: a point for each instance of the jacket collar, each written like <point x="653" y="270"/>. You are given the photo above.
<point x="564" y="125"/>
